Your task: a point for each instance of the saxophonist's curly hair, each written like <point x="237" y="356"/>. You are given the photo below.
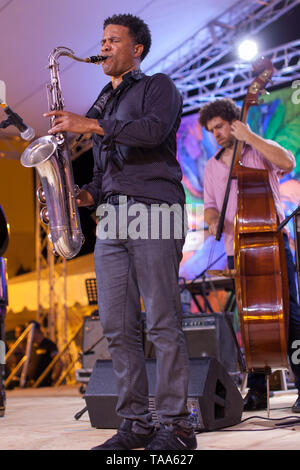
<point x="224" y="108"/>
<point x="138" y="29"/>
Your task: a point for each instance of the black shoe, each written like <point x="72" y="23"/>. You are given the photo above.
<point x="255" y="400"/>
<point x="126" y="439"/>
<point x="296" y="406"/>
<point x="173" y="438"/>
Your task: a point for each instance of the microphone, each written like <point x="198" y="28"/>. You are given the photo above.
<point x="27" y="133"/>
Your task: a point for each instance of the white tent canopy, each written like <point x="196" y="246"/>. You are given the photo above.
<point x="23" y="290"/>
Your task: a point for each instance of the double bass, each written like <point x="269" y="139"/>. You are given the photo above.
<point x="260" y="273"/>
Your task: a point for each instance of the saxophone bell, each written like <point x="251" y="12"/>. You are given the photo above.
<point x="53" y="165"/>
<point x="51" y="157"/>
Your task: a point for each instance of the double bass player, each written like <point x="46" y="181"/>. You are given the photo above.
<point x="221" y="118"/>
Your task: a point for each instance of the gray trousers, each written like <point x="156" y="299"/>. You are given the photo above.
<point x="126" y="269"/>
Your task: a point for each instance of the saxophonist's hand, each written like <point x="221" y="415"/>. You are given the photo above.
<point x="70" y="122"/>
<point x="84" y="198"/>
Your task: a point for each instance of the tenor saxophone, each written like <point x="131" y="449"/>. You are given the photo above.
<point x="51" y="157"/>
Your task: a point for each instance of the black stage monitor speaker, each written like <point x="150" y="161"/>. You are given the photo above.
<point x="214" y="401"/>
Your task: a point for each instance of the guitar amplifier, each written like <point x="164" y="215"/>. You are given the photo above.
<point x="94" y="344"/>
<point x="94" y="347"/>
<point x="206" y="336"/>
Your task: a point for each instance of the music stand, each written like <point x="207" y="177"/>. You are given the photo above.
<point x="91" y="290"/>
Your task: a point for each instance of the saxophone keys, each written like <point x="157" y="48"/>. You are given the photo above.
<point x="44" y="216"/>
<point x="40" y="194"/>
<point x="76" y="189"/>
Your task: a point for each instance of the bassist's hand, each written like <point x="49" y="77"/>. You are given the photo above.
<point x="241" y="131"/>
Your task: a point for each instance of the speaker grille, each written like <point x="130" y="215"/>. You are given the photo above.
<point x="206" y="336"/>
<point x="94" y="345"/>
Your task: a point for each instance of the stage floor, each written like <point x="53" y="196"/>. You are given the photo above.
<point x="43" y="419"/>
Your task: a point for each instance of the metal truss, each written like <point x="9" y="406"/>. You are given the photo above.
<point x="217" y="38"/>
<point x="231" y="80"/>
<point x="52" y="293"/>
<point x="52" y="305"/>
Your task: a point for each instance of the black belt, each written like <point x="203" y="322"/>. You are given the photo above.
<point x="115" y="200"/>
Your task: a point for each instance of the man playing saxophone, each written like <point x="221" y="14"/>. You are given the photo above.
<point x="134" y="123"/>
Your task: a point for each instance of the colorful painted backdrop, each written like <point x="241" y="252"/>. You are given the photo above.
<point x="278" y="118"/>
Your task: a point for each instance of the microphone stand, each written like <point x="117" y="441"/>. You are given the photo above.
<point x="287" y="219"/>
<point x="7" y="122"/>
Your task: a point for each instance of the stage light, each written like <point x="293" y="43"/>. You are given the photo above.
<point x="247" y="49"/>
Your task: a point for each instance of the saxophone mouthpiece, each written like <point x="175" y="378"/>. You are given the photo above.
<point x="95" y="59"/>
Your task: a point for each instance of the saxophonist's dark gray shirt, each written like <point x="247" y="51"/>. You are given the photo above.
<point x="137" y="155"/>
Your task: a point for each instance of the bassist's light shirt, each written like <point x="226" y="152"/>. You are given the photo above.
<point x="215" y="180"/>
